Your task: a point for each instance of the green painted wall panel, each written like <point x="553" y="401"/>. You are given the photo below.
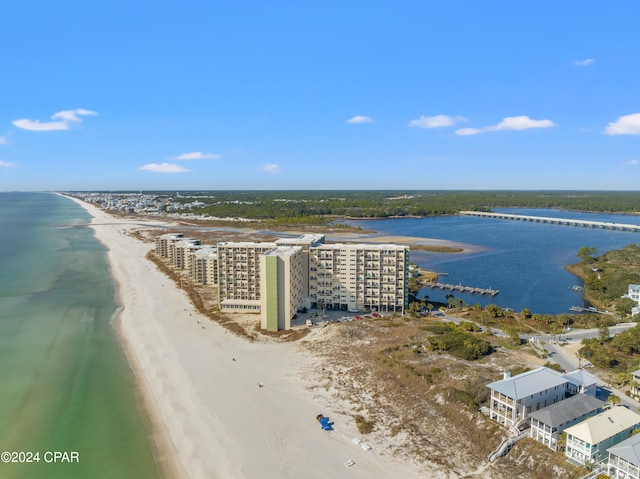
<point x="271" y="274"/>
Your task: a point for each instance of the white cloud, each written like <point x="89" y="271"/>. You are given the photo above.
<point x="163" y="168"/>
<point x="521" y="122"/>
<point x="583" y="63"/>
<point x="437" y="121"/>
<point x="3" y="140"/>
<point x="196" y="155"/>
<point x="7" y="164"/>
<point x="35" y="125"/>
<point x="272" y="168"/>
<point x="625" y="125"/>
<point x="468" y="131"/>
<point x="63" y="118"/>
<point x="360" y="119"/>
<point x="633" y="163"/>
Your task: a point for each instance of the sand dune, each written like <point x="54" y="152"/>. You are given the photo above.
<point x="211" y="420"/>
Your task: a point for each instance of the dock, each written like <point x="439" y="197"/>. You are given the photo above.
<point x="556" y="221"/>
<point x="461" y="288"/>
<point x="580" y="309"/>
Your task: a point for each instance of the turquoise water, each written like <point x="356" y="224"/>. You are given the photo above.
<point x="64" y="383"/>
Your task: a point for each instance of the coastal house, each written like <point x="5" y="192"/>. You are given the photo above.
<point x="624" y="459"/>
<point x="633" y="293"/>
<point x="581" y="382"/>
<point x="515" y="398"/>
<point x="589" y="440"/>
<point x="549" y="422"/>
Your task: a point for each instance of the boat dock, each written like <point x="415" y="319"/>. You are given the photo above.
<point x="580" y="309"/>
<point x="556" y="221"/>
<point x="461" y="288"/>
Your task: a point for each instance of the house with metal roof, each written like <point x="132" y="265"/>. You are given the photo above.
<point x="589" y="440"/>
<point x="581" y="382"/>
<point x="515" y="398"/>
<point x="624" y="459"/>
<point x="549" y="422"/>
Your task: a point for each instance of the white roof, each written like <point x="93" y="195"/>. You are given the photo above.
<point x="310" y="239"/>
<point x="529" y="383"/>
<point x="609" y="423"/>
<point x="629" y="450"/>
<point x="580" y="377"/>
<point x="284" y="251"/>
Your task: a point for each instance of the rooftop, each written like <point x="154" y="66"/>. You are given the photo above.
<point x="529" y="383"/>
<point x="572" y="408"/>
<point x="310" y="239"/>
<point x="580" y="377"/>
<point x="283" y="251"/>
<point x="629" y="450"/>
<point x="609" y="423"/>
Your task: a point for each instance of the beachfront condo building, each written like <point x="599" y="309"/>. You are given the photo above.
<point x="280" y="278"/>
<point x="282" y="272"/>
<point x="203" y="267"/>
<point x="239" y="275"/>
<point x="163" y="243"/>
<point x="359" y="277"/>
<point x="180" y="252"/>
<point x="305" y="242"/>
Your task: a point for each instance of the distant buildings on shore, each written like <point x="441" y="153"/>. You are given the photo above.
<point x="278" y="279"/>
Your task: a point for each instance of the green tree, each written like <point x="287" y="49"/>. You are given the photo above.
<point x="603" y="334"/>
<point x="586" y="255"/>
<point x="613" y="399"/>
<point x="562" y="441"/>
<point x="494" y="310"/>
<point x="625" y="305"/>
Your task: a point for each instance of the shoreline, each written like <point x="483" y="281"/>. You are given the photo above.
<point x="197" y="383"/>
<point x="157" y="434"/>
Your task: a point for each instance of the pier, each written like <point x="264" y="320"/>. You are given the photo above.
<point x="461" y="288"/>
<point x="556" y="221"/>
<point x="580" y="309"/>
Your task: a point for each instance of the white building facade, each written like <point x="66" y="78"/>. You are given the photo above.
<point x="359" y="277"/>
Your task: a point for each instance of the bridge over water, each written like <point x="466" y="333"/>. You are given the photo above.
<point x="556" y="221"/>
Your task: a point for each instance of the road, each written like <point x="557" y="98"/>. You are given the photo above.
<point x="569" y="362"/>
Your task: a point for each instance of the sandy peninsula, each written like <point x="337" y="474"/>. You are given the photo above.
<point x="200" y="385"/>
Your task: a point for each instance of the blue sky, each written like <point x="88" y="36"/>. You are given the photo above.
<point x="342" y="94"/>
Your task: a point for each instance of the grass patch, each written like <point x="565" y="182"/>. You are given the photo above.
<point x="364" y="426"/>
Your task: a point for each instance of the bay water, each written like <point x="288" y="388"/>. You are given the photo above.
<point x="523" y="260"/>
<point x="65" y="385"/>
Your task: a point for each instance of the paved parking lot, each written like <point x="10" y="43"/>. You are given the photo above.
<point x="330" y="316"/>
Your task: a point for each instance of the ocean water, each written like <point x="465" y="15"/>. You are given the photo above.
<point x="524" y="261"/>
<point x="65" y="385"/>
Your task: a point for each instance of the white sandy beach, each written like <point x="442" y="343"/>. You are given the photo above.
<point x="211" y="420"/>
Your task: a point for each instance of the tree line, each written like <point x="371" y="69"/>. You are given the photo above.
<point x="311" y="206"/>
